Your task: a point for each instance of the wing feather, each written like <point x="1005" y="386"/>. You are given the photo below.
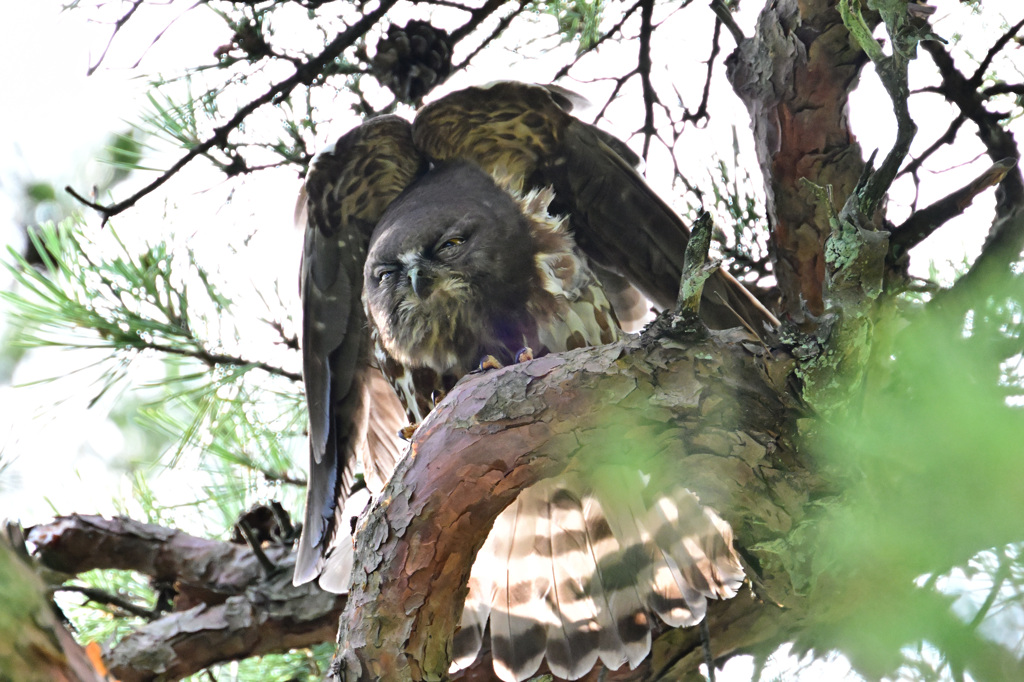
<point x="520" y="612"/>
<point x="525" y="132"/>
<point x="348" y="187"/>
<point x="574" y="636"/>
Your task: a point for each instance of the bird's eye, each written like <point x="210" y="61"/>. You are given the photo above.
<point x="454" y="241"/>
<point x="384" y="275"/>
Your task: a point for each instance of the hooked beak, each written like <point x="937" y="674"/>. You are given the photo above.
<point x="422" y="284"/>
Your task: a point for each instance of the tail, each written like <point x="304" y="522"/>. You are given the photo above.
<point x="572" y="574"/>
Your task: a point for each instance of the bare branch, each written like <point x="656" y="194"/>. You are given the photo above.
<point x="947" y="137"/>
<point x="643" y="68"/>
<point x="702" y="110"/>
<point x="615" y="29"/>
<point x="103" y="597"/>
<point x="211" y="359"/>
<point x="503" y="24"/>
<point x="110" y="41"/>
<point x="477" y="17"/>
<point x="997" y="47"/>
<point x="999" y="143"/>
<point x="925" y="221"/>
<point x="725" y="17"/>
<point x="305" y="74"/>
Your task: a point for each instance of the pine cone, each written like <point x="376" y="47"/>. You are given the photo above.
<point x="411" y="61"/>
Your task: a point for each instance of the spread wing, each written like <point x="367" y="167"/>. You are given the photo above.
<point x="570" y="572"/>
<point x="348" y="187"/>
<point x="526" y="132"/>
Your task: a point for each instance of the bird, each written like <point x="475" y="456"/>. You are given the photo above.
<point x="494" y="228"/>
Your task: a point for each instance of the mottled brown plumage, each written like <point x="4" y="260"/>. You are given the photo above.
<point x="348" y="188"/>
<point x="460" y="267"/>
<point x="527" y="133"/>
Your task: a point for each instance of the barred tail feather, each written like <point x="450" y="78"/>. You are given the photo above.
<point x="573" y="639"/>
<point x="520" y="612"/>
<point x="572" y="574"/>
<point x="491" y="561"/>
<point x="700" y="542"/>
<point x="656" y="573"/>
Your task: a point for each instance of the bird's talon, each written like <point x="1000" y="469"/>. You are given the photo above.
<point x="407" y="432"/>
<point x="524" y="354"/>
<point x="490" y="362"/>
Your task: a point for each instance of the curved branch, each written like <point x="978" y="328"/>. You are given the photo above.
<point x="707" y="409"/>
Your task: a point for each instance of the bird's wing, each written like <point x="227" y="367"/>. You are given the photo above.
<point x="526" y="133"/>
<point x="348" y="187"/>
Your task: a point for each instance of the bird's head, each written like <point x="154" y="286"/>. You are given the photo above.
<point x="446" y="258"/>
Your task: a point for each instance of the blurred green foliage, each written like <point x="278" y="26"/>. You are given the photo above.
<point x="932" y="460"/>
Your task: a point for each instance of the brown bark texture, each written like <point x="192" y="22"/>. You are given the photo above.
<point x="795" y="76"/>
<point x="710" y="411"/>
<point x="227" y="604"/>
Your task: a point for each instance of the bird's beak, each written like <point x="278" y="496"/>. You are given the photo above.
<point x="422" y="284"/>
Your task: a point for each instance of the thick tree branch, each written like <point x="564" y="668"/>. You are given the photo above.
<point x="713" y="413"/>
<point x="79" y="543"/>
<point x="270" y="617"/>
<point x="227" y="607"/>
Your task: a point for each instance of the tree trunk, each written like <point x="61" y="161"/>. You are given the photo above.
<point x="795" y="76"/>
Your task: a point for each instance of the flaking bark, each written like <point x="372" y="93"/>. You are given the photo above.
<point x="226" y="606"/>
<point x="712" y="411"/>
<point x="795" y="75"/>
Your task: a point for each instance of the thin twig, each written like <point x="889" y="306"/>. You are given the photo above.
<point x="211" y="359"/>
<point x="947" y="137"/>
<point x="304" y="75"/>
<point x="503" y="24"/>
<point x="643" y="68"/>
<point x="725" y="17"/>
<point x="102" y="597"/>
<point x="617" y="28"/>
<point x="250" y="539"/>
<point x="979" y="74"/>
<point x="117" y="27"/>
<point x="705" y="641"/>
